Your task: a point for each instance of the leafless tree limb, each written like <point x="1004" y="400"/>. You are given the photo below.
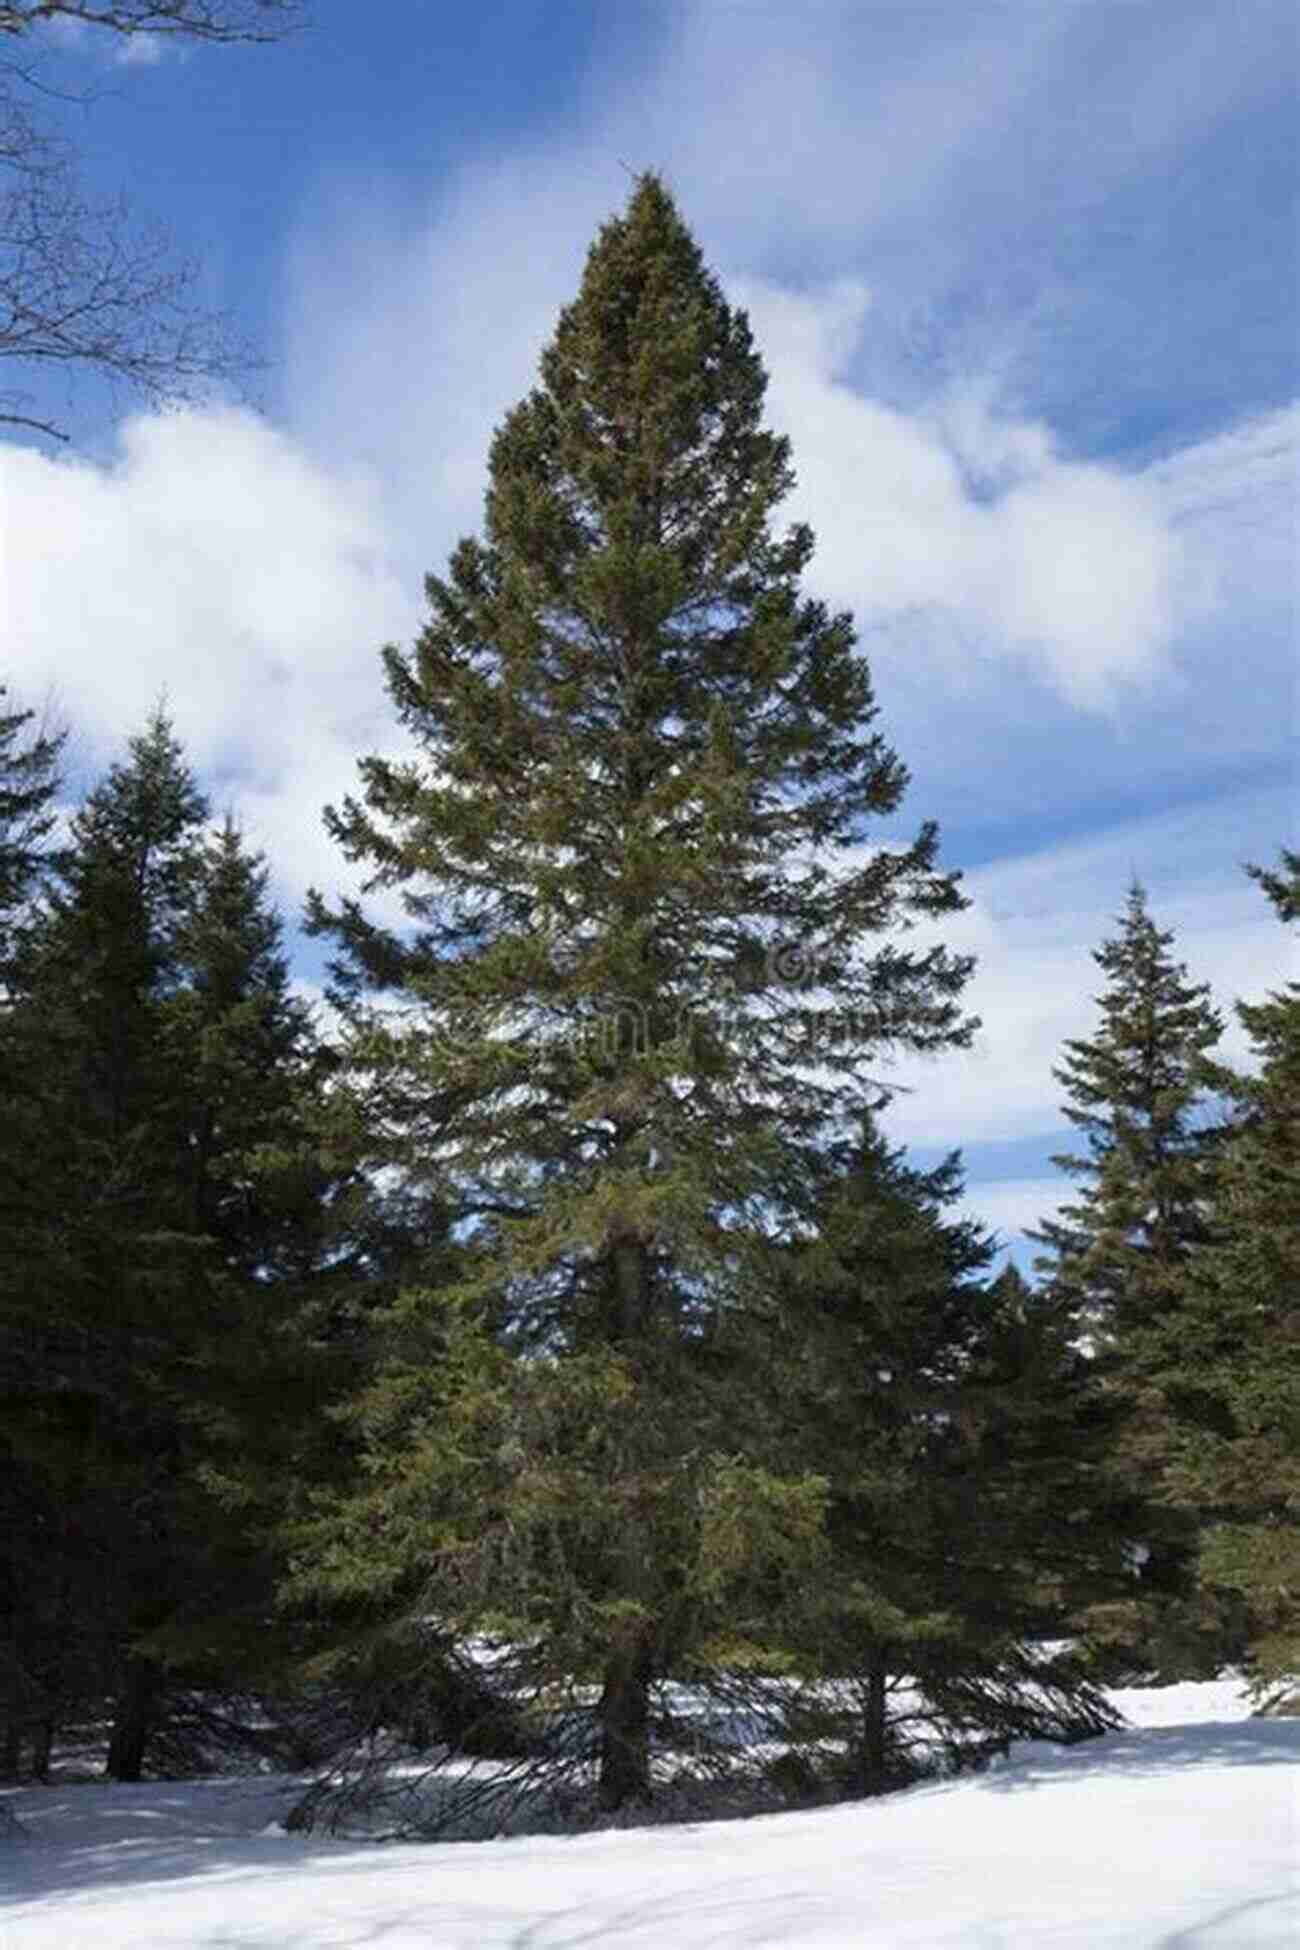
<point x="203" y="20"/>
<point x="85" y="287"/>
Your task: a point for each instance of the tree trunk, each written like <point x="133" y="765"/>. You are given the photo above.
<point x="871" y="1773"/>
<point x="42" y="1746"/>
<point x="134" y="1720"/>
<point x="625" y="1697"/>
<point x="11" y="1752"/>
<point x="625" y="1725"/>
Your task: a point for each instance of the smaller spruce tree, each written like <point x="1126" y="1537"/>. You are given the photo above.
<point x="1232" y="1373"/>
<point x="170" y="1189"/>
<point x="1139" y="1091"/>
<point x="954" y="1425"/>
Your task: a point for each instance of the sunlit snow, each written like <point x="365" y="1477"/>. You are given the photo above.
<point x="1181" y="1832"/>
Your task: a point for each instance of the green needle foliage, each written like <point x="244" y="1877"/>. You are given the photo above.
<point x="1233" y="1371"/>
<point x="89" y="1313"/>
<point x="1139" y="1091"/>
<point x="961" y="1437"/>
<point x="656" y="949"/>
<point x="165" y="1197"/>
<point x="1136" y="1090"/>
<point x="29" y="762"/>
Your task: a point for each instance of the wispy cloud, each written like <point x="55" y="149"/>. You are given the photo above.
<point x="412" y="327"/>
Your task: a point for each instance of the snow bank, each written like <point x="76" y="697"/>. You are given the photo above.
<point x="1181" y="1832"/>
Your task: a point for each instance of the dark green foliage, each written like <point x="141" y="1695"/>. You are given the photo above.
<point x="1232" y="1374"/>
<point x="83" y="1294"/>
<point x="29" y="760"/>
<point x="1137" y="1090"/>
<point x="959" y="1434"/>
<point x="164" y="1190"/>
<point x="646" y="782"/>
<point x="28" y="782"/>
<point x="1140" y="1090"/>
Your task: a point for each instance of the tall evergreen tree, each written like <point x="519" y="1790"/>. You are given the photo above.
<point x="1232" y="1373"/>
<point x="646" y="784"/>
<point x="252" y="1064"/>
<point x="1139" y="1091"/>
<point x="163" y="1058"/>
<point x="82" y="1310"/>
<point x="97" y="970"/>
<point x="28" y="783"/>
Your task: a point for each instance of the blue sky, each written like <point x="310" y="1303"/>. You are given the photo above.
<point x="1025" y="278"/>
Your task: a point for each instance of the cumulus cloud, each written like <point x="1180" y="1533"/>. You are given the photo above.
<point x="210" y="559"/>
<point x="956" y="508"/>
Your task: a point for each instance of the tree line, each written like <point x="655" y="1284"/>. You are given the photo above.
<point x="555" y="1340"/>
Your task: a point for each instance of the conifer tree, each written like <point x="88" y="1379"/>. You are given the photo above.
<point x="1139" y="1091"/>
<point x="960" y="1437"/>
<point x="1231" y="1374"/>
<point x="253" y="1066"/>
<point x="28" y="782"/>
<point x="79" y="1300"/>
<point x="97" y="969"/>
<point x="647" y="789"/>
<point x="164" y="1059"/>
<point x="1134" y="1091"/>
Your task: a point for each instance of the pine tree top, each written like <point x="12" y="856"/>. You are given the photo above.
<point x="1144" y="1060"/>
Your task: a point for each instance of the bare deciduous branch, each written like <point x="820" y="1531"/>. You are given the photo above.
<point x="204" y="20"/>
<point x="85" y="287"/>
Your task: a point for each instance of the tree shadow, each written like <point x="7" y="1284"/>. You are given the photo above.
<point x="1194" y="1936"/>
<point x="1150" y="1751"/>
<point x="162" y="1831"/>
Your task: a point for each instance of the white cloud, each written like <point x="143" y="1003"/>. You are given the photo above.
<point x="913" y="132"/>
<point x="409" y="334"/>
<point x="829" y="121"/>
<point x="960" y="510"/>
<point x="1011" y="1206"/>
<point x="213" y="560"/>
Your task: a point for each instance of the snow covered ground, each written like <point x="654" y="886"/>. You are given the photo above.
<point x="1180" y="1833"/>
